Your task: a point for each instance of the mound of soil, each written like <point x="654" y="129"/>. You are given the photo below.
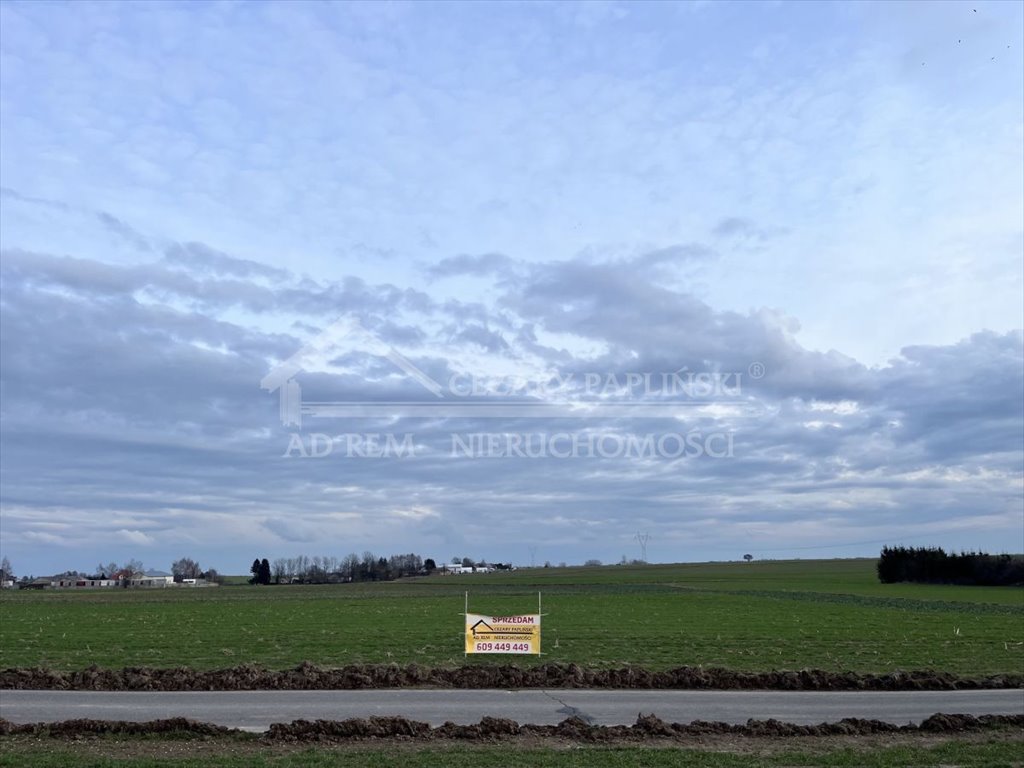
<point x="307" y="676"/>
<point x="493" y="729"/>
<point x="73" y="729"/>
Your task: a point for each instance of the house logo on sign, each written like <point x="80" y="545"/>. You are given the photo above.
<point x="488" y="627"/>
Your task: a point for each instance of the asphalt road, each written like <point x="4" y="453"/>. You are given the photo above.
<point x="255" y="710"/>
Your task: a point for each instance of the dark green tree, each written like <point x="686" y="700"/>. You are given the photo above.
<point x="264" y="571"/>
<point x="255" y="571"/>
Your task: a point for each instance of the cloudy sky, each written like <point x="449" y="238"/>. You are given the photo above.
<point x="820" y="204"/>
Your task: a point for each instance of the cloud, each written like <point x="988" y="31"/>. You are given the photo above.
<point x="202" y="259"/>
<point x="479" y="265"/>
<point x="121" y="229"/>
<point x="162" y="403"/>
<point x="739" y="228"/>
<point x="293" y="530"/>
<point x="134" y="537"/>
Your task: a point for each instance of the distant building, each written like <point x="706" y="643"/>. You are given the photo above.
<point x="152" y="578"/>
<point x="85" y="582"/>
<point x="456" y="568"/>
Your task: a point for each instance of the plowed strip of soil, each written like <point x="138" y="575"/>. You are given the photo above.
<point x="308" y="677"/>
<point x="491" y="729"/>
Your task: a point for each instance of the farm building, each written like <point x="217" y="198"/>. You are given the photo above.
<point x="85" y="582"/>
<point x="43" y="582"/>
<point x="457" y="569"/>
<point x="151" y="578"/>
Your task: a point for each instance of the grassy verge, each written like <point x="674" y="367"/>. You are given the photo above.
<point x="991" y="752"/>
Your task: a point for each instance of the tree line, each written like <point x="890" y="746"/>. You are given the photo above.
<point x="932" y="565"/>
<point x="326" y="569"/>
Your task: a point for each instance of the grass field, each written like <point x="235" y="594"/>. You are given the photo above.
<point x="832" y="615"/>
<point x="992" y="752"/>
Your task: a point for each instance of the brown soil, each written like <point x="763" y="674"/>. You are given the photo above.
<point x="647" y="727"/>
<point x="308" y="676"/>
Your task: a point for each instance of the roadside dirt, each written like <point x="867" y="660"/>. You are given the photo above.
<point x="307" y="676"/>
<point x="497" y="729"/>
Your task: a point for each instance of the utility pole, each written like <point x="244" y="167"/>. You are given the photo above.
<point x="642" y="539"/>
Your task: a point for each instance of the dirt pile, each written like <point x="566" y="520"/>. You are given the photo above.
<point x="647" y="727"/>
<point x="307" y="676"/>
<point x="74" y="729"/>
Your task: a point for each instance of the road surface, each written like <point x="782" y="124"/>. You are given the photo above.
<point x="255" y="710"/>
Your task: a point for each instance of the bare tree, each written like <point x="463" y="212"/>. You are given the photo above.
<point x="351" y="567"/>
<point x="6" y="573"/>
<point x="109" y="569"/>
<point x="368" y="565"/>
<point x="185" y="568"/>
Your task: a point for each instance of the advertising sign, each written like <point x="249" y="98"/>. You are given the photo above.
<point x="503" y="634"/>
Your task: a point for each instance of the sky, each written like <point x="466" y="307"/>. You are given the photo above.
<point x="437" y="210"/>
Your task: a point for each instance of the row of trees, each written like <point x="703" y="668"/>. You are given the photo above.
<point x="326" y="569"/>
<point x="132" y="568"/>
<point x="187" y="568"/>
<point x="932" y="565"/>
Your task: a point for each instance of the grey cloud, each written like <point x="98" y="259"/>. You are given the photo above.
<point x="657" y="328"/>
<point x="475" y="265"/>
<point x="112" y="404"/>
<point x="15" y="195"/>
<point x="200" y="258"/>
<point x="490" y="341"/>
<point x="126" y="232"/>
<point x="202" y="286"/>
<point x="293" y="530"/>
<point x="674" y="256"/>
<point x="738" y="227"/>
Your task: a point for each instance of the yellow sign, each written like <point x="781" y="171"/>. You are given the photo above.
<point x="503" y="634"/>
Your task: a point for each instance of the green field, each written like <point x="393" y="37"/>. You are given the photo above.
<point x="831" y="615"/>
<point x="994" y="751"/>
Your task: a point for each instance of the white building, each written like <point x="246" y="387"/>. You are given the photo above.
<point x="152" y="579"/>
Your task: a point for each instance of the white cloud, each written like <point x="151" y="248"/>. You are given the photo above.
<point x="134" y="537"/>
